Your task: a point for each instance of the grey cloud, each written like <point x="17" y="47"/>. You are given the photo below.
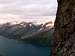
<point x="28" y="7"/>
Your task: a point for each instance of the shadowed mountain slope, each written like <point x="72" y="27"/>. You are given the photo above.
<point x="32" y="33"/>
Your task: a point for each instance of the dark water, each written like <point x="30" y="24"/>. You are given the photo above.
<point x="11" y="47"/>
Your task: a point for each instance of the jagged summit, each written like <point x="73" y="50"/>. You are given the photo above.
<point x="24" y="28"/>
<point x="28" y="31"/>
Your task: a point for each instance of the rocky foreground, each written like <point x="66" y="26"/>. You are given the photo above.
<point x="64" y="33"/>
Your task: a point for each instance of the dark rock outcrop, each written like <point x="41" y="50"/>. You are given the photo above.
<point x="64" y="34"/>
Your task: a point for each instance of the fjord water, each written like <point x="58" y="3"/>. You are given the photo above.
<point x="11" y="47"/>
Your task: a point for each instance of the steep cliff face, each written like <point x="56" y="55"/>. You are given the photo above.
<point x="64" y="34"/>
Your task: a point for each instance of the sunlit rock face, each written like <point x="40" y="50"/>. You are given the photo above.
<point x="64" y="34"/>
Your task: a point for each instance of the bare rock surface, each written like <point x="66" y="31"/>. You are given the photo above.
<point x="64" y="33"/>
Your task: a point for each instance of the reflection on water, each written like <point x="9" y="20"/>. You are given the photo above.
<point x="11" y="47"/>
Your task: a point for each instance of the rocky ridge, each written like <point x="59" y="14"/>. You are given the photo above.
<point x="28" y="32"/>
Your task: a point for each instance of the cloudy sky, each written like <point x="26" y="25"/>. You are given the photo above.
<point x="26" y="9"/>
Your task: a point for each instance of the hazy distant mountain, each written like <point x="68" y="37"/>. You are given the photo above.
<point x="27" y="31"/>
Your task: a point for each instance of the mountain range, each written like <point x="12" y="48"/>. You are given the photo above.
<point x="28" y="31"/>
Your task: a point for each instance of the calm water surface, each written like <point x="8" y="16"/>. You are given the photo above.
<point x="11" y="47"/>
